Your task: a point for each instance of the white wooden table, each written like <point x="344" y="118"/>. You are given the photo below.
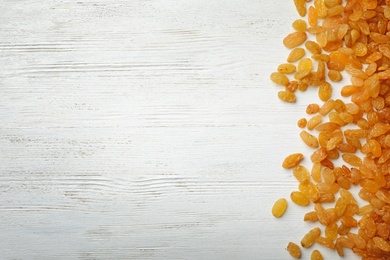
<point x="145" y="129"/>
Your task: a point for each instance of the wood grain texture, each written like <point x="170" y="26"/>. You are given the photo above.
<point x="144" y="129"/>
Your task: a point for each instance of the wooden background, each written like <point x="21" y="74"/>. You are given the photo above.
<point x="145" y="129"/>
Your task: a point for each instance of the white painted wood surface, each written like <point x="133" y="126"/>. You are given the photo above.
<point x="145" y="129"/>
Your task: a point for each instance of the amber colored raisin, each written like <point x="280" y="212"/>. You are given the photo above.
<point x="279" y="79"/>
<point x="299" y="198"/>
<point x="286" y="68"/>
<point x="296" y="54"/>
<point x="302" y="123"/>
<point x="300" y="5"/>
<point x="292" y="160"/>
<point x="294" y="39"/>
<point x="299" y="25"/>
<point x="316" y="255"/>
<point x="279" y="207"/>
<point x="294" y="250"/>
<point x="310" y="238"/>
<point x="287" y="96"/>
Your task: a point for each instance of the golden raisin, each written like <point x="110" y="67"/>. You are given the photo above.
<point x="296" y="54"/>
<point x="299" y="25"/>
<point x="316" y="255"/>
<point x="279" y="79"/>
<point x="279" y="208"/>
<point x="292" y="160"/>
<point x="299" y="198"/>
<point x="294" y="39"/>
<point x="294" y="250"/>
<point x="310" y="238"/>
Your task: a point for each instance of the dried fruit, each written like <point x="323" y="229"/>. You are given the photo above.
<point x="286" y="68"/>
<point x="279" y="79"/>
<point x="309" y="190"/>
<point x="287" y="96"/>
<point x="314" y="121"/>
<point x="294" y="250"/>
<point x="299" y="25"/>
<point x="312" y="108"/>
<point x="292" y="160"/>
<point x="279" y="208"/>
<point x="302" y="123"/>
<point x="299" y="198"/>
<point x="309" y="139"/>
<point x="316" y="255"/>
<point x="335" y="75"/>
<point x="294" y="39"/>
<point x="300" y="5"/>
<point x="310" y="238"/>
<point x="301" y="173"/>
<point x="381" y="244"/>
<point x="351" y="36"/>
<point x="296" y="54"/>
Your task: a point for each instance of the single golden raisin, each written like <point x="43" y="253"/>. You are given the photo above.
<point x="299" y="25"/>
<point x="309" y="190"/>
<point x="292" y="160"/>
<point x="302" y="123"/>
<point x="279" y="78"/>
<point x="313" y="47"/>
<point x="299" y="198"/>
<point x="287" y="96"/>
<point x="300" y="74"/>
<point x="335" y="75"/>
<point x="325" y="91"/>
<point x="310" y="238"/>
<point x="380" y="129"/>
<point x="336" y="10"/>
<point x="294" y="250"/>
<point x="310" y="216"/>
<point x="381" y="244"/>
<point x="357" y="240"/>
<point x="366" y="209"/>
<point x="331" y="231"/>
<point x="316" y="255"/>
<point x="286" y="68"/>
<point x="301" y="173"/>
<point x="347" y="196"/>
<point x="305" y="64"/>
<point x="319" y="155"/>
<point x="294" y="39"/>
<point x="309" y="139"/>
<point x="379" y="38"/>
<point x="348" y="221"/>
<point x="300" y="5"/>
<point x="296" y="54"/>
<point x="279" y="207"/>
<point x="314" y="121"/>
<point x="316" y="172"/>
<point x="312" y="108"/>
<point x="323" y="216"/>
<point x="352" y="159"/>
<point x="331" y="3"/>
<point x="325" y="242"/>
<point x="351" y="209"/>
<point x="327" y="107"/>
<point x="312" y="16"/>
